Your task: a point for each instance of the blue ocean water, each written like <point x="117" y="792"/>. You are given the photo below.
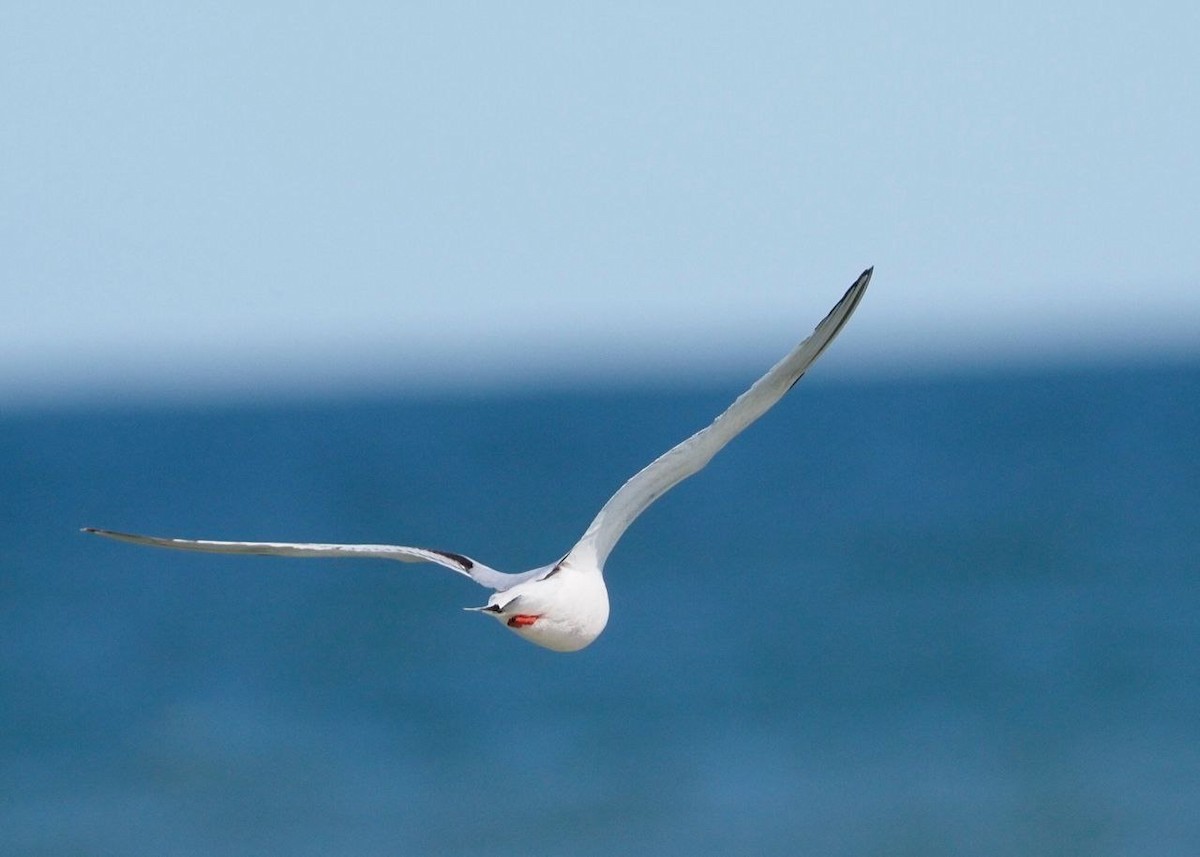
<point x="904" y="617"/>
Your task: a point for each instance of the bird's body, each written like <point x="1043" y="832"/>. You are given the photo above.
<point x="564" y="606"/>
<point x="563" y="609"/>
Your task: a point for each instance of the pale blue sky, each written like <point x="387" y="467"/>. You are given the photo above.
<point x="208" y="198"/>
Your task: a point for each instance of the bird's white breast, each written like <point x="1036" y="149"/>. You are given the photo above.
<point x="571" y="606"/>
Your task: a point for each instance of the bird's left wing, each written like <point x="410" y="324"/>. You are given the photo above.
<point x="477" y="571"/>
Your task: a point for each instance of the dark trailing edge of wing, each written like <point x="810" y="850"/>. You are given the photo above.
<point x="463" y="562"/>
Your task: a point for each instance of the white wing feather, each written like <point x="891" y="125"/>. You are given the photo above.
<point x="665" y="472"/>
<point x="690" y="456"/>
<point x="464" y="565"/>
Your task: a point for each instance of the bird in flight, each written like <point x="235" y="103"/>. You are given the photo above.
<point x="564" y="605"/>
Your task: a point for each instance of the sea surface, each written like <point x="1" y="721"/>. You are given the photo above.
<point x="924" y="616"/>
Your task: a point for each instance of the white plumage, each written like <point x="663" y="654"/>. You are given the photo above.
<point x="564" y="605"/>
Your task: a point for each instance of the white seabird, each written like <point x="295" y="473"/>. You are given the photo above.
<point x="564" y="605"/>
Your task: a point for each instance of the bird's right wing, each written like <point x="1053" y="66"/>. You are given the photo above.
<point x="480" y="573"/>
<point x="688" y="457"/>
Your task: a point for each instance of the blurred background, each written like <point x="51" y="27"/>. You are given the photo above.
<point x="446" y="275"/>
